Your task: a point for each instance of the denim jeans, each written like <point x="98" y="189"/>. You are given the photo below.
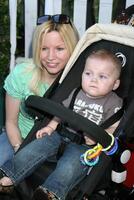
<point x="6" y="149"/>
<point x="69" y="169"/>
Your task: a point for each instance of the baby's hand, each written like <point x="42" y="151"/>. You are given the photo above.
<point x="47" y="130"/>
<point x="88" y="141"/>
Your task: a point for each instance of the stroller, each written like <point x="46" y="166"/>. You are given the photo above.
<point x="120" y="40"/>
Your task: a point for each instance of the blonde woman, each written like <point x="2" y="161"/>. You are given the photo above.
<point x="53" y="43"/>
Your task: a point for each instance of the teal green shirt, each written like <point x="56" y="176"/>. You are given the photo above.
<point x="17" y="86"/>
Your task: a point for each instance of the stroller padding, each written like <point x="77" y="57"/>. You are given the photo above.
<point x="74" y="119"/>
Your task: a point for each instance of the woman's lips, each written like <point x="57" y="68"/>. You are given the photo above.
<point x="52" y="65"/>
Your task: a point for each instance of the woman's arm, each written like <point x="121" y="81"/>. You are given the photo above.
<point x="13" y="132"/>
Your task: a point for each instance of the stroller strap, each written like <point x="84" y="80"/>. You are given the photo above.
<point x="71" y="105"/>
<point x="70" y="136"/>
<point x="114" y="118"/>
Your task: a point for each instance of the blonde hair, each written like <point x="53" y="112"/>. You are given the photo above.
<point x="107" y="55"/>
<point x="69" y="35"/>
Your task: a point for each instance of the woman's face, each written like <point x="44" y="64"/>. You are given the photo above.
<point x="54" y="55"/>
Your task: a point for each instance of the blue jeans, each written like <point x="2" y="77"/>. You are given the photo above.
<point x="6" y="149"/>
<point x="69" y="169"/>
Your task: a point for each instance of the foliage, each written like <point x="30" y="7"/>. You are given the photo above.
<point x="67" y="8"/>
<point x="5" y="36"/>
<point x="20" y="28"/>
<point x="4" y="39"/>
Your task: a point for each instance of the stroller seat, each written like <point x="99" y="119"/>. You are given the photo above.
<point x="120" y="40"/>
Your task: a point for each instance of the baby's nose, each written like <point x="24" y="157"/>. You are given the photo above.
<point x="94" y="78"/>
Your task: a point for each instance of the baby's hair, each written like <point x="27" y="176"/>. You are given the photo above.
<point x="107" y="55"/>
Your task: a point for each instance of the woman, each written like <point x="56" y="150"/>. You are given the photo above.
<point x="53" y="43"/>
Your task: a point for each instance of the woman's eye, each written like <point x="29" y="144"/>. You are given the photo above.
<point x="60" y="48"/>
<point x="44" y="48"/>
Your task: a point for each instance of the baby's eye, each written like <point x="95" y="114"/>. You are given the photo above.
<point x="88" y="73"/>
<point x="103" y="77"/>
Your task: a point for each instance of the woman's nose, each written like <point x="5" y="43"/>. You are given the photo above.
<point x="51" y="55"/>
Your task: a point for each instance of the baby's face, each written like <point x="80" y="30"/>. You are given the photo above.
<point x="99" y="77"/>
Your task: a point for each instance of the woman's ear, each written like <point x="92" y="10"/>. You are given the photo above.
<point x="116" y="84"/>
